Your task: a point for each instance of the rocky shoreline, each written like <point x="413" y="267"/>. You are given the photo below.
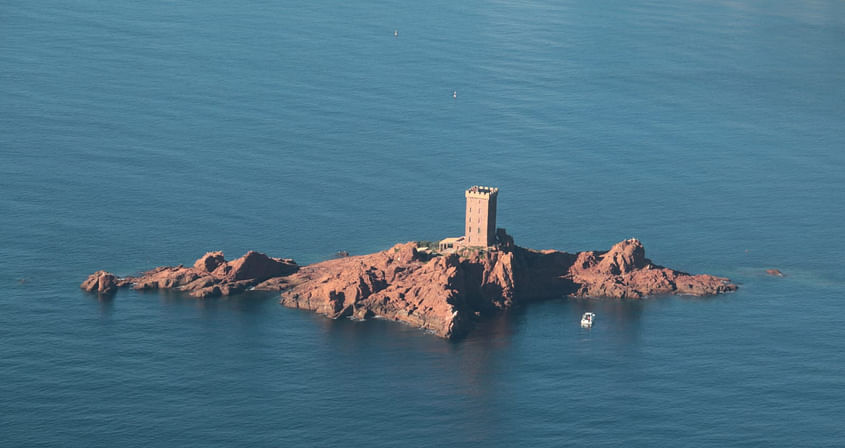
<point x="210" y="276"/>
<point x="441" y="293"/>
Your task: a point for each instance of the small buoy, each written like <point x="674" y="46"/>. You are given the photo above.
<point x="395" y="33"/>
<point x="455" y="94"/>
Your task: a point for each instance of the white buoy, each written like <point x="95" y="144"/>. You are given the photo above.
<point x="455" y="94"/>
<point x="395" y="33"/>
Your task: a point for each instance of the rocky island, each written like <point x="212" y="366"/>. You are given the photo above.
<point x="443" y="288"/>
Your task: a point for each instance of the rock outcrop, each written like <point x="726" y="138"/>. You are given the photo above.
<point x="210" y="276"/>
<point x="209" y="262"/>
<point x="101" y="282"/>
<point x="400" y="283"/>
<point x="444" y="294"/>
<point x="624" y="272"/>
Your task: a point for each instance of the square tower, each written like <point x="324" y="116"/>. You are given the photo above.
<point x="481" y="216"/>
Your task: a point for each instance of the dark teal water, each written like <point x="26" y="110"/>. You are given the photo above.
<point x="146" y="133"/>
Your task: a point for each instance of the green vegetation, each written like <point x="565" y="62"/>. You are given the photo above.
<point x="467" y="252"/>
<point x="433" y="246"/>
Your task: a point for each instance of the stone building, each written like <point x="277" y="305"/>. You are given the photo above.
<point x="480" y="220"/>
<point x="481" y="216"/>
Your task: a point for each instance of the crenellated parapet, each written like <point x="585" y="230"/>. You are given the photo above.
<point x="480" y="192"/>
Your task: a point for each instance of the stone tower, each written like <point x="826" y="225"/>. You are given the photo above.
<point x="481" y="216"/>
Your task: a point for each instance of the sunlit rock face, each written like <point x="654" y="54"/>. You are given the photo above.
<point x="441" y="293"/>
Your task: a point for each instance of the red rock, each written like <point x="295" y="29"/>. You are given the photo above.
<point x="443" y="294"/>
<point x="622" y="258"/>
<point x="101" y="282"/>
<point x="210" y="261"/>
<point x="254" y="265"/>
<point x="398" y="284"/>
<point x="210" y="276"/>
<point x="624" y="272"/>
<point x="272" y="284"/>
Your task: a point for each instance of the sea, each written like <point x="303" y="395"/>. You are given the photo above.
<point x="139" y="134"/>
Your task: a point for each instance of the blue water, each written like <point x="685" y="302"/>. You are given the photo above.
<point x="136" y="134"/>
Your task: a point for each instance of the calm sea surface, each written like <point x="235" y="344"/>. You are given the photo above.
<point x="135" y="134"/>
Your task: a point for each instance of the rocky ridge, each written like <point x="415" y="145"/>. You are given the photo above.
<point x="210" y="276"/>
<point x="443" y="294"/>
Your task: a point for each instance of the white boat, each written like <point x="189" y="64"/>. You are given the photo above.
<point x="587" y="320"/>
